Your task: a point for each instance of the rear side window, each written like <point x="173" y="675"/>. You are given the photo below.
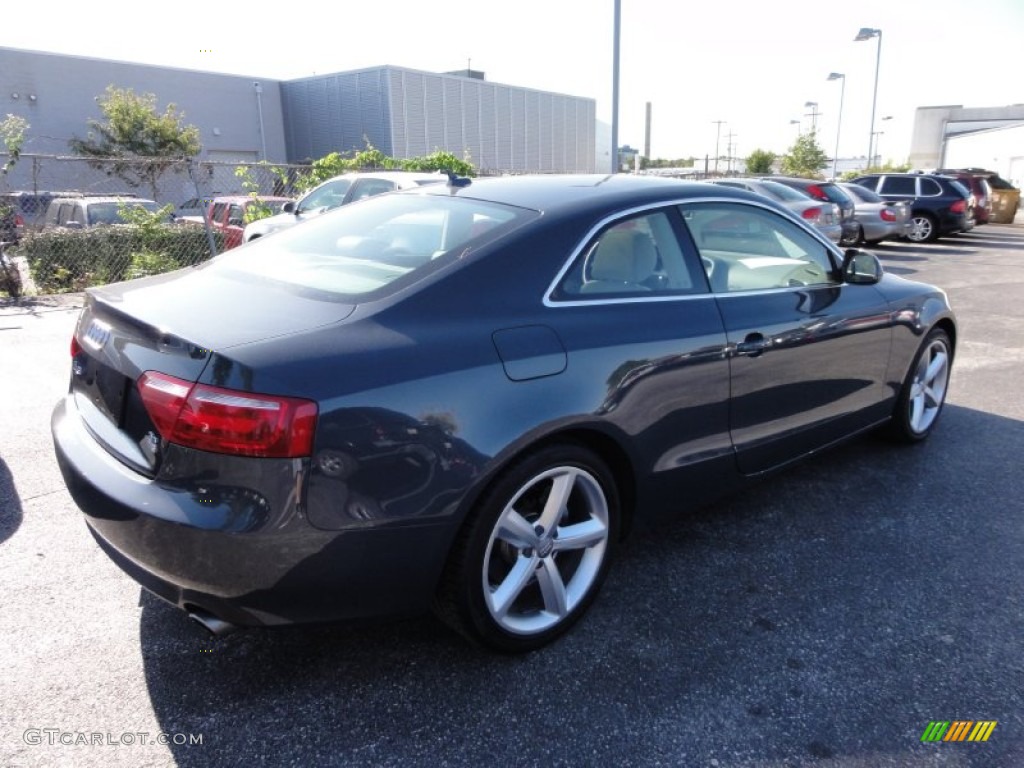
<point x="930" y="188"/>
<point x="899" y="185"/>
<point x="635" y="257"/>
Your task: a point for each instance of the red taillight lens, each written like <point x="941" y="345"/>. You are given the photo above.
<point x="815" y="191"/>
<point x="959" y="206"/>
<point x="887" y="215"/>
<point x="226" y="420"/>
<point x="19" y="220"/>
<point x="76" y="348"/>
<point x="812" y="214"/>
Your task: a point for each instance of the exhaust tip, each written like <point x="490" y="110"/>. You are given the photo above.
<point x="213" y="625"/>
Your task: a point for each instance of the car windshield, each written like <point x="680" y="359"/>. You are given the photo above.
<point x="331" y="194"/>
<point x="110" y="213"/>
<point x="387" y="241"/>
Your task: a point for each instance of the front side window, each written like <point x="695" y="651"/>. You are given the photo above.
<point x="748" y="248"/>
<point x="635" y="257"/>
<point x="327" y="196"/>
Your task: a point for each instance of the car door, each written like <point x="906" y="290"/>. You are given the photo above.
<point x="636" y="314"/>
<point x="808" y="353"/>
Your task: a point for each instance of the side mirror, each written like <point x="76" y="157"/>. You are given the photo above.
<point x="288" y="207"/>
<point x="861" y="267"/>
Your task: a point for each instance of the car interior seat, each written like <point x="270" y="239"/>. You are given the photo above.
<point x="621" y="262"/>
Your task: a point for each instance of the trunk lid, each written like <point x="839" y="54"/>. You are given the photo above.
<point x="174" y="325"/>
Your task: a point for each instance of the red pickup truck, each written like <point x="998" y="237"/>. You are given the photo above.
<point x="228" y="215"/>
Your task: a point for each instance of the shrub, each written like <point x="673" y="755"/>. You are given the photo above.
<point x="64" y="260"/>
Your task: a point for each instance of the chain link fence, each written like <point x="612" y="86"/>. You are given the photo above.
<point x="56" y="212"/>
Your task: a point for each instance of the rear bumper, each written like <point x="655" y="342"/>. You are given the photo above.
<point x="223" y="554"/>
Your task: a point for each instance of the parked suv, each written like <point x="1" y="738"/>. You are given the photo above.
<point x="21" y="211"/>
<point x="938" y="204"/>
<point x="228" y="214"/>
<point x="82" y="212"/>
<point x="828" y="192"/>
<point x="976" y="182"/>
<point x="336" y="191"/>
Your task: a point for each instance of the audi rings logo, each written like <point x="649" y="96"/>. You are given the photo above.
<point x="97" y="334"/>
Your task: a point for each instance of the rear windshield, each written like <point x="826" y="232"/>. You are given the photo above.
<point x="863" y="194"/>
<point x="836" y="195"/>
<point x="784" y="193"/>
<point x="375" y="246"/>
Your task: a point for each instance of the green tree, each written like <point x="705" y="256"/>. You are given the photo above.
<point x="12" y="134"/>
<point x="135" y="141"/>
<point x="760" y="161"/>
<point x="371" y="158"/>
<point x="805" y="158"/>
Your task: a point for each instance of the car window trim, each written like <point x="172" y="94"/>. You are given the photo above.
<point x="622" y="215"/>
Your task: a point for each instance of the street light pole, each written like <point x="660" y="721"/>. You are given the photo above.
<point x="615" y="91"/>
<point x="839" y="122"/>
<point x="866" y="33"/>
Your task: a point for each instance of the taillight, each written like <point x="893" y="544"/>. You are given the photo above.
<point x="19" y="220"/>
<point x="226" y="420"/>
<point x="887" y="215"/>
<point x="812" y="214"/>
<point x="959" y="206"/>
<point x="76" y="348"/>
<point x="815" y="191"/>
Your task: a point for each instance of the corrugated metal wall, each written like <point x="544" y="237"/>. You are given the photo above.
<point x="407" y="113"/>
<point x="336" y="113"/>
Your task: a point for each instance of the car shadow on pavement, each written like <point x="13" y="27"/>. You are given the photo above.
<point x="10" y="503"/>
<point x="853" y="588"/>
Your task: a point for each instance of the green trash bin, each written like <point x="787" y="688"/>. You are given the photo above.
<point x="1004" y="205"/>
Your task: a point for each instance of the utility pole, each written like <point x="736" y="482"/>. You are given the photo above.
<point x="718" y="134"/>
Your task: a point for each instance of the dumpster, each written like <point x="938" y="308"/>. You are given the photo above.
<point x="1004" y="205"/>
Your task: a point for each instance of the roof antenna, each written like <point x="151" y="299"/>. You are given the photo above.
<point x="454" y="180"/>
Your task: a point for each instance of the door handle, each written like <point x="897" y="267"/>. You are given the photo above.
<point x="753" y="345"/>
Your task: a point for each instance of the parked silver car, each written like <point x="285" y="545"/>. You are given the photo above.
<point x="340" y="190"/>
<point x="878" y="219"/>
<point x="825" y="216"/>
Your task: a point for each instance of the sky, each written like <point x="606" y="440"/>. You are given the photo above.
<point x="752" y="64"/>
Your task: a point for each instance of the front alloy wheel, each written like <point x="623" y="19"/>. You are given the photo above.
<point x="924" y="391"/>
<point x="534" y="557"/>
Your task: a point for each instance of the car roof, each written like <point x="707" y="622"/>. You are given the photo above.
<point x="246" y="198"/>
<point x="565" y="192"/>
<point x="87" y="199"/>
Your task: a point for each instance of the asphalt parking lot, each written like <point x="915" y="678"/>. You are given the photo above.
<point x="824" y="617"/>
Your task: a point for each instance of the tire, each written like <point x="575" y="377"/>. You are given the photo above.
<point x="925" y="229"/>
<point x="924" y="390"/>
<point x="523" y="569"/>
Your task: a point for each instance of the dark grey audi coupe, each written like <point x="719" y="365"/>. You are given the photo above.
<point x="460" y="397"/>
